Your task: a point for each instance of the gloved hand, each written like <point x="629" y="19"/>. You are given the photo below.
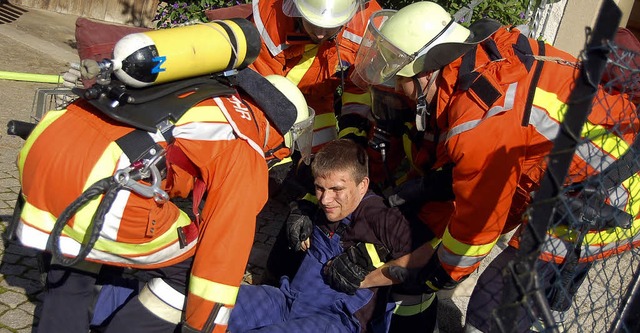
<point x="346" y="271"/>
<point x="412" y="190"/>
<point x="86" y="70"/>
<point x="434" y="186"/>
<point x="344" y="275"/>
<point x="299" y="228"/>
<point x="71" y="78"/>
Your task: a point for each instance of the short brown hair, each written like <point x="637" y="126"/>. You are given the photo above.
<point x="339" y="155"/>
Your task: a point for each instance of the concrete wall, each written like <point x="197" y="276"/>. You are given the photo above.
<point x="131" y="12"/>
<point x="566" y="27"/>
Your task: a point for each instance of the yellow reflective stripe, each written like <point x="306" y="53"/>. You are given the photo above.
<point x="410" y="310"/>
<point x="352" y="130"/>
<point x="549" y="101"/>
<point x="324" y="120"/>
<point x="311" y="198"/>
<point x="435" y="242"/>
<point x="104" y="167"/>
<point x="373" y="255"/>
<point x="125" y="249"/>
<point x="632" y="184"/>
<point x="299" y="70"/>
<point x="38" y="218"/>
<point x="205" y="113"/>
<point x="364" y="98"/>
<point x="44" y="220"/>
<point x="608" y="236"/>
<point x="463" y="249"/>
<point x="284" y="161"/>
<point x="603" y="139"/>
<point x="213" y="291"/>
<point x="49" y="118"/>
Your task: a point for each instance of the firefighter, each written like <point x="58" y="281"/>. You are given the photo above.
<point x="314" y="43"/>
<point x="352" y="222"/>
<point x="220" y="147"/>
<point x="492" y="100"/>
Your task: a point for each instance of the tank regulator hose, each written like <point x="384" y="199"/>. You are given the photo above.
<point x="107" y="186"/>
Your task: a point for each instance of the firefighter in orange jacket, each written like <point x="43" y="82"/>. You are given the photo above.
<point x="218" y="147"/>
<point x="313" y="43"/>
<point x="492" y="100"/>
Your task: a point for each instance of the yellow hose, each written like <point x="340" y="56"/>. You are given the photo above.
<point x="42" y="78"/>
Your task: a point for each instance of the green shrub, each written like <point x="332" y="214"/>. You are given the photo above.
<point x="505" y="11"/>
<point x="177" y="13"/>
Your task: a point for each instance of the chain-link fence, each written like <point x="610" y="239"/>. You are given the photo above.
<point x="579" y="271"/>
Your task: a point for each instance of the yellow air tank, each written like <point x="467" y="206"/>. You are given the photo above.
<point x="159" y="56"/>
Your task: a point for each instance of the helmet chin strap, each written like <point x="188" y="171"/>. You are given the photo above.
<point x="422" y="112"/>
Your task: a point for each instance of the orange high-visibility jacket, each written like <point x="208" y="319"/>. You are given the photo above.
<point x="315" y="68"/>
<point x="71" y="149"/>
<point x="499" y="148"/>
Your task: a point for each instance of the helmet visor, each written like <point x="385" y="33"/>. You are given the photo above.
<point x="378" y="60"/>
<point x="302" y="136"/>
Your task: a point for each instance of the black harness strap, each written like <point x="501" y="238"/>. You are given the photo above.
<point x="136" y="144"/>
<point x="533" y="85"/>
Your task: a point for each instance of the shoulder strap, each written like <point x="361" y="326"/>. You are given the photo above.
<point x="148" y="107"/>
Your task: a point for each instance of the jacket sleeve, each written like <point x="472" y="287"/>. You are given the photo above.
<point x="488" y="160"/>
<point x="236" y="179"/>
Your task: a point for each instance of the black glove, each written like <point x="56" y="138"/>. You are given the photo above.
<point x="344" y="275"/>
<point x="434" y="186"/>
<point x="347" y="270"/>
<point x="299" y="226"/>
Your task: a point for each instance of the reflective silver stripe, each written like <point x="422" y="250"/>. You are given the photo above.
<point x="159" y="308"/>
<point x="224" y="110"/>
<point x="453" y="259"/>
<point x="166" y="293"/>
<point x="263" y="31"/>
<point x="204" y="132"/>
<point x="469" y="125"/>
<point x="223" y="316"/>
<point x="545" y="125"/>
<point x="352" y="37"/>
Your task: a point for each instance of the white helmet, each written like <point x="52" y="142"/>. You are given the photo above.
<point x="301" y="133"/>
<point x="322" y="13"/>
<point x="419" y="37"/>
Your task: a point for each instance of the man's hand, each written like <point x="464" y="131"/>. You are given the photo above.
<point x="346" y="271"/>
<point x="410" y="191"/>
<point x="434" y="186"/>
<point x="299" y="228"/>
<point x="344" y="275"/>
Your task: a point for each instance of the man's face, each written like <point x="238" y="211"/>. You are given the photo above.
<point x="319" y="34"/>
<point x="408" y="87"/>
<point x="338" y="194"/>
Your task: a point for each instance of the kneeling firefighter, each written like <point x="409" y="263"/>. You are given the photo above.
<point x="99" y="178"/>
